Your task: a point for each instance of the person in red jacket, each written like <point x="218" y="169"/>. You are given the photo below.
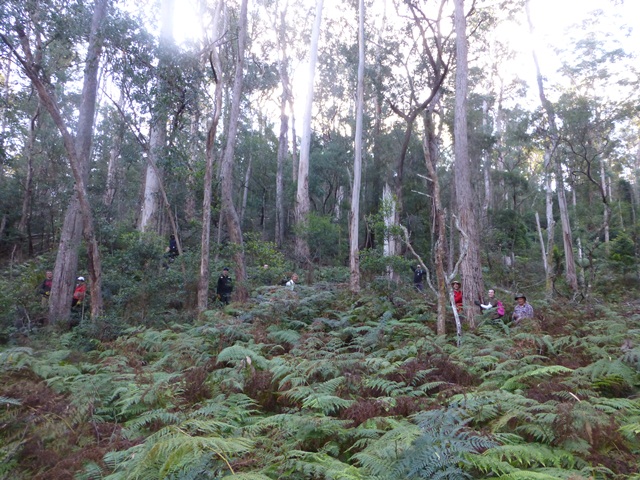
<point x="80" y="292"/>
<point x="457" y="295"/>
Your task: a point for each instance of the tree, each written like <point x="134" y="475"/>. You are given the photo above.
<point x="210" y="155"/>
<point x="79" y="217"/>
<point x="152" y="197"/>
<point x="226" y="171"/>
<point x="551" y="153"/>
<point x="354" y="217"/>
<point x="472" y="284"/>
<point x="302" y="193"/>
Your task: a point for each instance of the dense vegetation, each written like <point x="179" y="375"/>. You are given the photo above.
<point x="114" y="136"/>
<point x="318" y="383"/>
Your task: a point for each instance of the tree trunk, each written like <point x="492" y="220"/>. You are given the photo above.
<point x="389" y="216"/>
<point x="472" y="284"/>
<point x="285" y="99"/>
<point x="27" y="199"/>
<point x="549" y="274"/>
<point x="302" y="195"/>
<point x="151" y="211"/>
<point x="354" y="216"/>
<point x="114" y="154"/>
<point x="245" y="189"/>
<point x="79" y="218"/>
<point x="230" y="214"/>
<point x="570" y="267"/>
<point x="205" y="240"/>
<point x="430" y="150"/>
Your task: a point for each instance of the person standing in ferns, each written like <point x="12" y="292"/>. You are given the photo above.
<point x="492" y="305"/>
<point x="45" y="287"/>
<point x="291" y="284"/>
<point x="225" y="286"/>
<point x="522" y="309"/>
<point x="418" y="277"/>
<point x="79" y="293"/>
<point x="457" y="295"/>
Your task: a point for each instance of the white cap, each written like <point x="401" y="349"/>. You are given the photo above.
<point x="81" y="279"/>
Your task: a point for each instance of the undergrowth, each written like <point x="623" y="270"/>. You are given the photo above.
<point x="318" y="384"/>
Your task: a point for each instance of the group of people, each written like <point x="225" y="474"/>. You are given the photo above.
<point x="490" y="306"/>
<point x="79" y="292"/>
<point x="224" y="287"/>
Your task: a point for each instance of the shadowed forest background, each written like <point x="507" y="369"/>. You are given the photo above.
<point x="345" y="144"/>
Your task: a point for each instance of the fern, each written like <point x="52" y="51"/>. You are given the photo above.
<point x="535" y="372"/>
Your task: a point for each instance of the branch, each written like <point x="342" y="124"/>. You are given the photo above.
<point x="413" y="252"/>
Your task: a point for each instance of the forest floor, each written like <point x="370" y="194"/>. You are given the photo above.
<point x="318" y="383"/>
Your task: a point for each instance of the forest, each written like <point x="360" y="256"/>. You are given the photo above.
<point x="348" y="165"/>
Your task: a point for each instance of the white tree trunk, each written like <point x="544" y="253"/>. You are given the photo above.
<point x="354" y="216"/>
<point x="389" y="209"/>
<point x="302" y="194"/>
<point x="151" y="210"/>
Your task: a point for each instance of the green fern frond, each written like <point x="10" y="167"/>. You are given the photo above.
<point x="327" y="404"/>
<point x="16" y="358"/>
<point x="321" y="465"/>
<point x="246" y="476"/>
<point x="9" y="401"/>
<point x="534" y="455"/>
<point x="284" y="336"/>
<point x="536" y="372"/>
<point x="237" y="353"/>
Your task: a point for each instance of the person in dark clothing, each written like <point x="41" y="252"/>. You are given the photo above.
<point x="418" y="277"/>
<point x="173" y="247"/>
<point x="45" y="287"/>
<point x="225" y="286"/>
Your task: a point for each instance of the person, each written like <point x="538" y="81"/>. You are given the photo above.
<point x="45" y="287"/>
<point x="225" y="286"/>
<point x="80" y="292"/>
<point x="418" y="277"/>
<point x="457" y="295"/>
<point x="173" y="247"/>
<point x="522" y="309"/>
<point x="492" y="305"/>
<point x="291" y="284"/>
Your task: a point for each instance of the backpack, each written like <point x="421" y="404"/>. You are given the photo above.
<point x="500" y="310"/>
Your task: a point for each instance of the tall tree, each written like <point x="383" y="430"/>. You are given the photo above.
<point x="226" y="171"/>
<point x="551" y="153"/>
<point x="79" y="217"/>
<point x="354" y="217"/>
<point x="472" y="283"/>
<point x="210" y="156"/>
<point x="151" y="210"/>
<point x="302" y="193"/>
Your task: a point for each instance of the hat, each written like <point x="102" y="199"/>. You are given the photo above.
<point x="520" y="295"/>
<point x="455" y="281"/>
<point x="81" y="279"/>
<point x="226" y="268"/>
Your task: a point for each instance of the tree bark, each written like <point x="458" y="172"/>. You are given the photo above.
<point x="285" y="99"/>
<point x="79" y="218"/>
<point x="151" y="211"/>
<point x="114" y="154"/>
<point x="472" y="283"/>
<point x="354" y="216"/>
<point x="230" y="214"/>
<point x="303" y="206"/>
<point x="430" y="150"/>
<point x="205" y="240"/>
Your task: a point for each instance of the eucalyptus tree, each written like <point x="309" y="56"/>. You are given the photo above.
<point x="303" y="207"/>
<point x="354" y="216"/>
<point x="79" y="217"/>
<point x="151" y="208"/>
<point x="213" y="44"/>
<point x="551" y="155"/>
<point x="472" y="283"/>
<point x="231" y="217"/>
